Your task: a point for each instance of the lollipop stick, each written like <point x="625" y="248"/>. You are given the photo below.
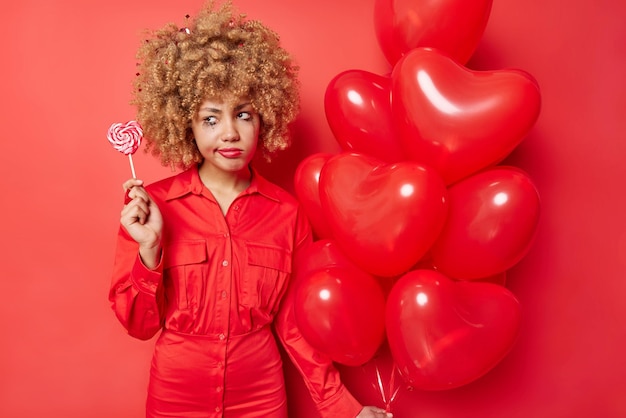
<point x="132" y="166"/>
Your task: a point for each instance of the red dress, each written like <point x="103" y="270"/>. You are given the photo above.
<point x="215" y="295"/>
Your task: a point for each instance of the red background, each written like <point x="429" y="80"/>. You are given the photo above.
<point x="65" y="76"/>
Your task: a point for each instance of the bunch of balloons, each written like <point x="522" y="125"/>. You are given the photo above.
<point x="417" y="222"/>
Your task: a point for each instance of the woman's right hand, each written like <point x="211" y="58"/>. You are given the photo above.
<point x="374" y="412"/>
<point x="142" y="220"/>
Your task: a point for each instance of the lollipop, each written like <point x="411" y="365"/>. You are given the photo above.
<point x="126" y="137"/>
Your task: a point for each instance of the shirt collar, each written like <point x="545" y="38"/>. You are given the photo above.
<point x="189" y="182"/>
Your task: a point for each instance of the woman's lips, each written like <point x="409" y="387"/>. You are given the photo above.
<point x="230" y="152"/>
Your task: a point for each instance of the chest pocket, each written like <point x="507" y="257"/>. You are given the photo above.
<point x="266" y="274"/>
<point x="184" y="264"/>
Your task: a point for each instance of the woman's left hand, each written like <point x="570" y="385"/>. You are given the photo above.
<point x="373" y="412"/>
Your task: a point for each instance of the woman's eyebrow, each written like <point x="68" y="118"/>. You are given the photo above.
<point x="242" y="105"/>
<point x="211" y="109"/>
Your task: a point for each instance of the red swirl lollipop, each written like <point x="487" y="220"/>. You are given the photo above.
<point x="126" y="138"/>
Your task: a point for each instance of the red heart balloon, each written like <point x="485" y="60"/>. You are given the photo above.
<point x="444" y="334"/>
<point x="384" y="217"/>
<point x="427" y="263"/>
<point x="452" y="26"/>
<point x="358" y="109"/>
<point x="491" y="224"/>
<point x="341" y="312"/>
<point x="306" y="187"/>
<point x="458" y="120"/>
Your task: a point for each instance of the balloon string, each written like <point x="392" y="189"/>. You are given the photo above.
<point x="132" y="166"/>
<point x="380" y="385"/>
<point x="393" y="388"/>
<point x="392" y="383"/>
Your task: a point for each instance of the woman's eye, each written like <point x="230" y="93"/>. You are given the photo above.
<point x="210" y="120"/>
<point x="245" y="115"/>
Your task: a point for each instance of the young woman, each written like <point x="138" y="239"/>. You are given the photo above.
<point x="205" y="257"/>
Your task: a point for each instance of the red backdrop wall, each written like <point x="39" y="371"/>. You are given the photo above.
<point x="65" y="77"/>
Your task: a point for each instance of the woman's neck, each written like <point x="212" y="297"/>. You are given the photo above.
<point x="225" y="185"/>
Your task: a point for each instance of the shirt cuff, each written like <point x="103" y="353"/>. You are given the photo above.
<point x="145" y="279"/>
<point x="342" y="404"/>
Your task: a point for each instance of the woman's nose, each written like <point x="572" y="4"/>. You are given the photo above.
<point x="230" y="133"/>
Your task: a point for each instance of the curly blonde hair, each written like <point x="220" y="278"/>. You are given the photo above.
<point x="218" y="53"/>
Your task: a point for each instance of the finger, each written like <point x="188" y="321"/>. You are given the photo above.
<point x="137" y="210"/>
<point x="139" y="192"/>
<point x="134" y="216"/>
<point x="138" y="202"/>
<point x="129" y="186"/>
<point x="130" y="183"/>
<point x="136" y="193"/>
<point x="382" y="412"/>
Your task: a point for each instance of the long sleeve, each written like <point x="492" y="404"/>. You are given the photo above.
<point x="322" y="379"/>
<point x="136" y="293"/>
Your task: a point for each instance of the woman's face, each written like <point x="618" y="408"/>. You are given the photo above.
<point x="226" y="133"/>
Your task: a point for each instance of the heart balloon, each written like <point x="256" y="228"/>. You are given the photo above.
<point x="452" y="26"/>
<point x="341" y="312"/>
<point x="306" y="187"/>
<point x="444" y="334"/>
<point x="384" y="217"/>
<point x="491" y="224"/>
<point x="458" y="120"/>
<point x="358" y="109"/>
<point x="427" y="263"/>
